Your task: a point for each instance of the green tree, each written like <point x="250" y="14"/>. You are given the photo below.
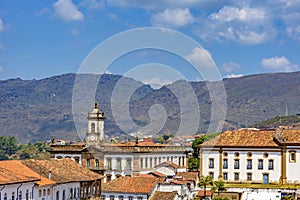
<point x="160" y="140"/>
<point x="166" y="137"/>
<point x="193" y="163"/>
<point x="205" y="181"/>
<point x="8" y="145"/>
<point x="219" y="186"/>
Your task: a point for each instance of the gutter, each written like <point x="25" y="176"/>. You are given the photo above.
<point x="1" y="190"/>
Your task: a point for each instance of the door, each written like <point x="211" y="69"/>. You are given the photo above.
<point x="266" y="178"/>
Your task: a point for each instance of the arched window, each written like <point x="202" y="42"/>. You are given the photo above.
<point x="13" y="195"/>
<point x="44" y="192"/>
<point x="57" y="195"/>
<point x="40" y="193"/>
<point x="93" y="127"/>
<point x="71" y="193"/>
<point x="27" y="194"/>
<point x="48" y="192"/>
<point x="64" y="195"/>
<point x="5" y="196"/>
<point x="20" y="195"/>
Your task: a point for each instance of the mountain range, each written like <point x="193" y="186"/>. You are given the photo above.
<point x="35" y="110"/>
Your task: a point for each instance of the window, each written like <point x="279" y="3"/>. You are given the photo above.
<point x="40" y="193"/>
<point x="146" y="162"/>
<point x="71" y="193"/>
<point x="130" y="198"/>
<point x="159" y="160"/>
<point x="20" y="195"/>
<point x="139" y="198"/>
<point x="260" y="164"/>
<point x="155" y="161"/>
<point x="119" y="166"/>
<point x="211" y="163"/>
<point x="236" y="164"/>
<point x="225" y="176"/>
<point x="48" y="192"/>
<point x="249" y="154"/>
<point x="225" y="163"/>
<point x="112" y="197"/>
<point x="93" y="127"/>
<point x="57" y="195"/>
<point x="108" y="163"/>
<point x="128" y="164"/>
<point x="236" y="154"/>
<point x="64" y="195"/>
<point x="225" y="154"/>
<point x="88" y="163"/>
<point x="76" y="159"/>
<point x="271" y="164"/>
<point x="108" y="178"/>
<point x="44" y="192"/>
<point x="249" y="176"/>
<point x="211" y="174"/>
<point x="236" y="176"/>
<point x="249" y="164"/>
<point x="103" y="197"/>
<point x="150" y="162"/>
<point x="183" y="161"/>
<point x="27" y="195"/>
<point x="97" y="163"/>
<point x="292" y="156"/>
<point x="121" y="197"/>
<point x="172" y="158"/>
<point x="5" y="196"/>
<point x="266" y="155"/>
<point x="141" y="162"/>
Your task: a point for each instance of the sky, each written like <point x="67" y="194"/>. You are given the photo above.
<point x="40" y="39"/>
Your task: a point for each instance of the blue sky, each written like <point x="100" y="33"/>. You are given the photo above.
<point x="40" y="39"/>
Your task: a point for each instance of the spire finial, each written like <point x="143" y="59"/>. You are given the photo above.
<point x="96" y="105"/>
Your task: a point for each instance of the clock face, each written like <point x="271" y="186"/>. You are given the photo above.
<point x="92" y="138"/>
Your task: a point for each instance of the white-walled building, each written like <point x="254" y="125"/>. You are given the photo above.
<point x="252" y="156"/>
<point x="120" y="159"/>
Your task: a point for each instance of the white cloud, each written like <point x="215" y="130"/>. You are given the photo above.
<point x="199" y="55"/>
<point x="234" y="75"/>
<point x="93" y="4"/>
<point x="173" y="18"/>
<point x="67" y="11"/>
<point x="279" y="64"/>
<point x="1" y="68"/>
<point x="246" y="25"/>
<point x="230" y="67"/>
<point x="1" y="25"/>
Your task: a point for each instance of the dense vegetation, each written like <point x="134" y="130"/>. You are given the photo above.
<point x="10" y="149"/>
<point x="34" y="110"/>
<point x="278" y="121"/>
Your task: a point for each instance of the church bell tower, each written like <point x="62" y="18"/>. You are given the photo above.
<point x="95" y="132"/>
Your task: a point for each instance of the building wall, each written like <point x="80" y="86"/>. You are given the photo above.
<point x="106" y="196"/>
<point x="60" y="188"/>
<point x="242" y="155"/>
<point x="12" y="189"/>
<point x="293" y="166"/>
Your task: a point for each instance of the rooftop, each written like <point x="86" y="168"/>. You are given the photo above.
<point x="136" y="184"/>
<point x="244" y="138"/>
<point x="163" y="195"/>
<point x="13" y="171"/>
<point x="62" y="170"/>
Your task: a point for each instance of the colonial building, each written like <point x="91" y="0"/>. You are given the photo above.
<point x="253" y="156"/>
<point x="120" y="159"/>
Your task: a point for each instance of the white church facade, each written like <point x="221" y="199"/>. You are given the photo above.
<point x="120" y="159"/>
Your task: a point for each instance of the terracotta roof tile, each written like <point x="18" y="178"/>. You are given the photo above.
<point x="136" y="184"/>
<point x="163" y="195"/>
<point x="291" y="136"/>
<point x="62" y="170"/>
<point x="189" y="176"/>
<point x="13" y="171"/>
<point x="158" y="174"/>
<point x="243" y="137"/>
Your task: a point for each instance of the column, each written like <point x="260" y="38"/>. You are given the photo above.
<point x="220" y="164"/>
<point x="283" y="166"/>
<point x="200" y="161"/>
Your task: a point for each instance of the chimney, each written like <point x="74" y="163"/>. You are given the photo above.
<point x="49" y="175"/>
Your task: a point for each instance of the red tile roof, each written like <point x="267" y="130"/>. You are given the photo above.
<point x="13" y="171"/>
<point x="243" y="138"/>
<point x="136" y="184"/>
<point x="62" y="170"/>
<point x="291" y="136"/>
<point x="158" y="174"/>
<point x="189" y="176"/>
<point x="163" y="195"/>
